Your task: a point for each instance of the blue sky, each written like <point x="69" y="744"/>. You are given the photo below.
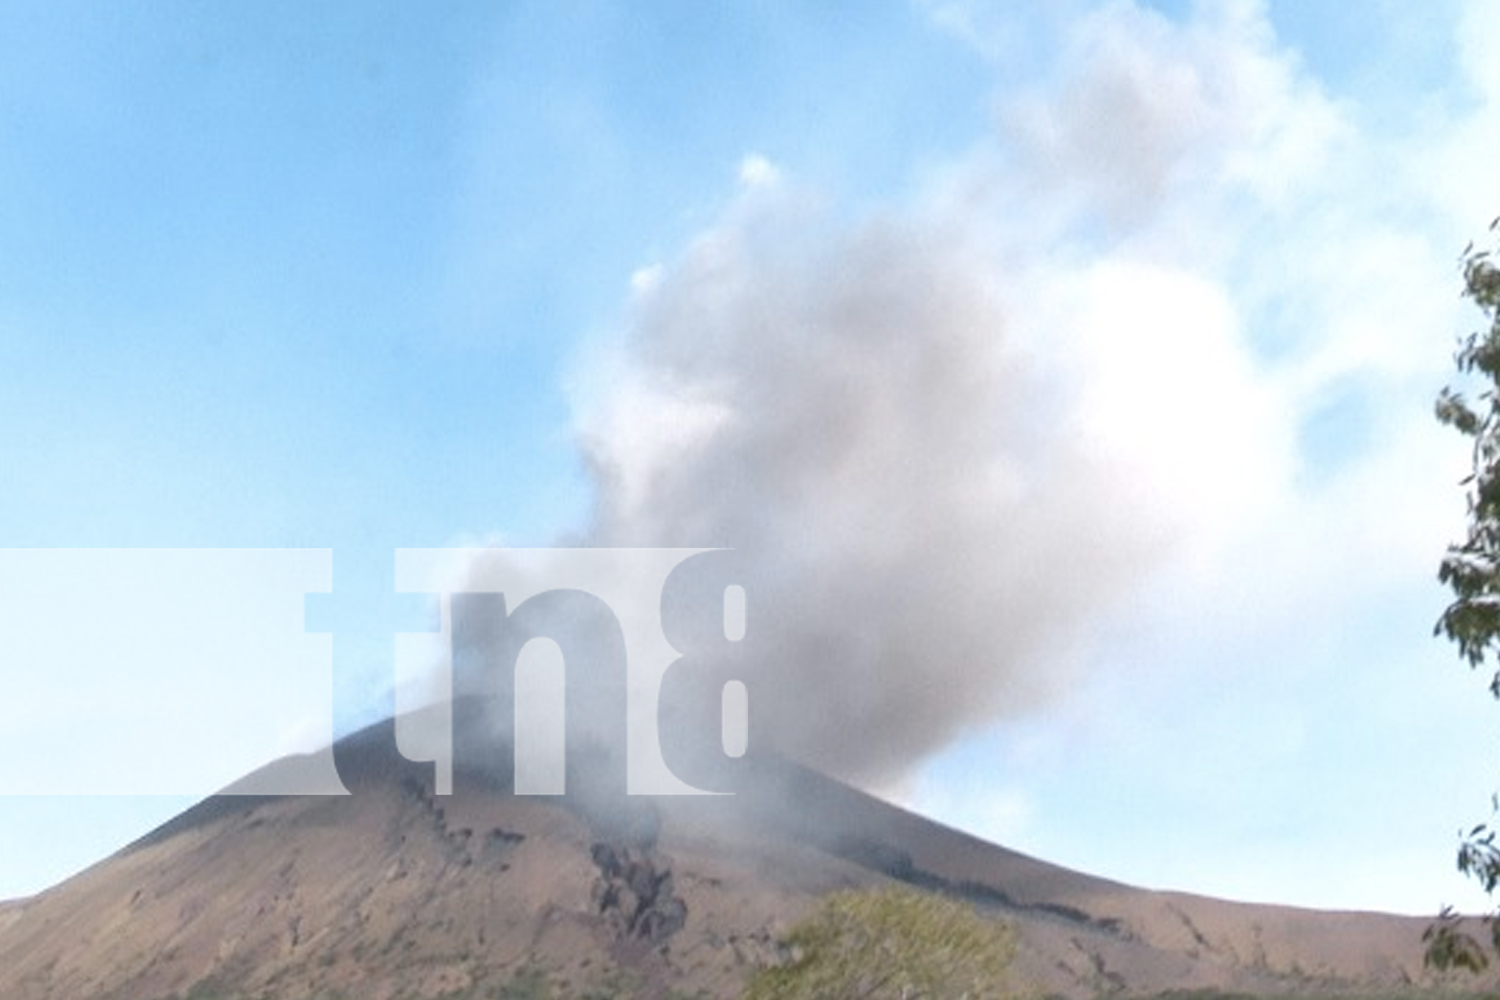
<point x="359" y="278"/>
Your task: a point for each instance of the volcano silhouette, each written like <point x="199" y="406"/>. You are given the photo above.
<point x="393" y="891"/>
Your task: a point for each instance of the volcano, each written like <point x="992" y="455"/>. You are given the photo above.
<point x="394" y="891"/>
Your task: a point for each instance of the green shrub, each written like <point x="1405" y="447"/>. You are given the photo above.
<point x="891" y="944"/>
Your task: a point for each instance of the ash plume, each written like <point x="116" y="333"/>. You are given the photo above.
<point x="922" y="535"/>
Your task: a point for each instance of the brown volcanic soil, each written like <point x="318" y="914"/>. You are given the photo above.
<point x="392" y="892"/>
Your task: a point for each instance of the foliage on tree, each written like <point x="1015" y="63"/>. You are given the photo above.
<point x="891" y="944"/>
<point x="1471" y="569"/>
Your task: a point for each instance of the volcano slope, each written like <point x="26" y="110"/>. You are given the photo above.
<point x="393" y="891"/>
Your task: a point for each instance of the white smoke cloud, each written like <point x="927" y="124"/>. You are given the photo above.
<point x="1076" y="374"/>
<point x="925" y="522"/>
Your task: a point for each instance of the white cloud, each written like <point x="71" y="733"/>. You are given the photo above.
<point x="644" y="279"/>
<point x="1147" y="117"/>
<point x="991" y="29"/>
<point x="757" y="171"/>
<point x="1169" y="390"/>
<point x="1479" y="46"/>
<point x="1459" y="140"/>
<point x="1249" y="271"/>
